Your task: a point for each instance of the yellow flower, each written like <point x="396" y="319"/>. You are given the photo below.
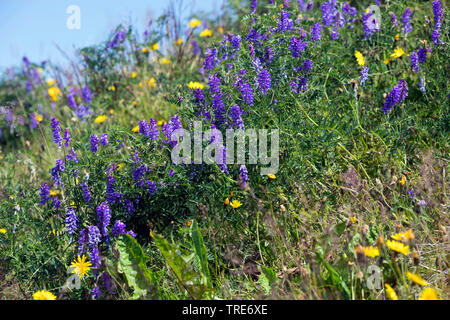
<point x="54" y="93"/>
<point x="155" y="46"/>
<point x="165" y="61"/>
<point x="73" y="205"/>
<point x="100" y="119"/>
<point x="429" y="294"/>
<point x="353" y="220"/>
<point x="80" y="266"/>
<point x="152" y="82"/>
<point x="3" y="231"/>
<point x="51" y="82"/>
<point x="390" y="292"/>
<point x="134" y="103"/>
<point x="161" y="122"/>
<point x="416" y="279"/>
<point x="39" y="118"/>
<point x="220" y="29"/>
<point x="178" y="42"/>
<point x="111" y="111"/>
<point x="386" y="61"/>
<point x="235" y="204"/>
<point x="359" y="58"/>
<point x="398" y="247"/>
<point x="195" y="85"/>
<point x="271" y="176"/>
<point x="140" y="84"/>
<point x="206" y="33"/>
<point x="402" y="180"/>
<point x="371" y="251"/>
<point x="135" y="129"/>
<point x="227" y="201"/>
<point x="144" y="50"/>
<point x="43" y="295"/>
<point x="134" y="74"/>
<point x="54" y="192"/>
<point x="194" y="23"/>
<point x="397" y="36"/>
<point x="398" y="52"/>
<point x="188" y="223"/>
<point x="403" y="236"/>
<point x="112" y="88"/>
<point x="119" y="166"/>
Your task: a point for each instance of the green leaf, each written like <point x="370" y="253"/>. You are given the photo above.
<point x="132" y="263"/>
<point x="192" y="281"/>
<point x="200" y="251"/>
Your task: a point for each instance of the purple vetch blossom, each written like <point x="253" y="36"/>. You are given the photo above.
<point x="171" y="173"/>
<point x="151" y="186"/>
<point x="415" y="61"/>
<point x="72" y="156"/>
<point x="406" y="18"/>
<point x="268" y="54"/>
<point x="111" y="194"/>
<point x="210" y="59"/>
<point x="104" y="218"/>
<point x="396" y="96"/>
<point x="94" y="144"/>
<point x="119" y="37"/>
<point x="66" y="138"/>
<point x="394" y="19"/>
<point x="120" y="228"/>
<point x="246" y="92"/>
<point x="214" y="83"/>
<point x="328" y="12"/>
<point x="33" y="121"/>
<point x="218" y="109"/>
<point x="93" y="236"/>
<point x="104" y="140"/>
<point x="422" y="55"/>
<point x="56" y="172"/>
<point x="56" y="131"/>
<point x="438" y="15"/>
<point x="253" y="5"/>
<point x="168" y="128"/>
<point x="297" y="46"/>
<point x="71" y="100"/>
<point x="370" y="24"/>
<point x="244" y="174"/>
<point x="71" y="221"/>
<point x="96" y="260"/>
<point x="56" y="203"/>
<point x="85" y="191"/>
<point x="316" y="31"/>
<point x="422" y="203"/>
<point x="264" y="80"/>
<point x="421" y="84"/>
<point x="222" y="163"/>
<point x="87" y="95"/>
<point x="364" y="75"/>
<point x="235" y="42"/>
<point x="284" y="22"/>
<point x="45" y="193"/>
<point x="236" y="117"/>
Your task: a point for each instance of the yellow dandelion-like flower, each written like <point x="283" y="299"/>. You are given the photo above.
<point x="165" y="61"/>
<point x="235" y="204"/>
<point x="39" y="118"/>
<point x="54" y="192"/>
<point x="101" y="119"/>
<point x="402" y="181"/>
<point x="152" y="82"/>
<point x="155" y="46"/>
<point x="371" y="251"/>
<point x="111" y="111"/>
<point x="144" y="50"/>
<point x="134" y="103"/>
<point x="271" y="176"/>
<point x="227" y="201"/>
<point x="51" y="82"/>
<point x="416" y="279"/>
<point x="397" y="36"/>
<point x="178" y="42"/>
<point x="390" y="292"/>
<point x="206" y="33"/>
<point x="54" y="93"/>
<point x="134" y="74"/>
<point x="80" y="266"/>
<point x="359" y="58"/>
<point x="140" y="84"/>
<point x="403" y="236"/>
<point x="398" y="52"/>
<point x="135" y="129"/>
<point x="43" y="295"/>
<point x="386" y="61"/>
<point x="397" y="247"/>
<point x="112" y="88"/>
<point x="3" y="231"/>
<point x="119" y="166"/>
<point x="188" y="223"/>
<point x="195" y="85"/>
<point x="353" y="220"/>
<point x="429" y="294"/>
<point x="194" y="23"/>
<point x="161" y="122"/>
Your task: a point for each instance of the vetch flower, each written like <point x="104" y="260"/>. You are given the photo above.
<point x="71" y="221"/>
<point x="94" y="144"/>
<point x="104" y="218"/>
<point x="56" y="130"/>
<point x="415" y="61"/>
<point x="364" y="75"/>
<point x="396" y="96"/>
<point x="407" y="28"/>
<point x="264" y="81"/>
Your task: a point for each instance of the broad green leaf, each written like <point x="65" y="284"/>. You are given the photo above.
<point x="200" y="251"/>
<point x="192" y="281"/>
<point x="132" y="263"/>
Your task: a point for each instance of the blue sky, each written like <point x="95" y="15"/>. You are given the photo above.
<point x="33" y="27"/>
